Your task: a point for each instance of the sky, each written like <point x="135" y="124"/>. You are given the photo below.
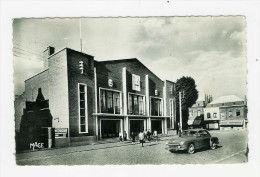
<point x="212" y="50"/>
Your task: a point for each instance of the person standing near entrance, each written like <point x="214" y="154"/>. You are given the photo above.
<point x="124" y="136"/>
<point x="155" y="135"/>
<point x="145" y="134"/>
<point x="133" y="137"/>
<point x="141" y="138"/>
<point x="149" y="135"/>
<point x="120" y="136"/>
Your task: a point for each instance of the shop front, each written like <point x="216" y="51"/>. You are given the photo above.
<point x="137" y="125"/>
<point x="109" y="127"/>
<point x="212" y="124"/>
<point x="233" y="124"/>
<point x="156" y="124"/>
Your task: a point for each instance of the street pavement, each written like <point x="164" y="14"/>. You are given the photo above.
<point x="231" y="150"/>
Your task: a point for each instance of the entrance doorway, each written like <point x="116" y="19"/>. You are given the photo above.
<point x="156" y="125"/>
<point x="136" y="126"/>
<point x="110" y="128"/>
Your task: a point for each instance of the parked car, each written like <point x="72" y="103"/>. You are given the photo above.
<point x="191" y="140"/>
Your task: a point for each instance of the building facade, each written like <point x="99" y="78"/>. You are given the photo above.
<point x="226" y="112"/>
<point x="99" y="99"/>
<point x="196" y="112"/>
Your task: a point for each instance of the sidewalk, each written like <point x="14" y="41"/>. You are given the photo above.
<point x="103" y="144"/>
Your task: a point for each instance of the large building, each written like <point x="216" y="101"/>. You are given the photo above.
<point x="226" y="112"/>
<point x="91" y="99"/>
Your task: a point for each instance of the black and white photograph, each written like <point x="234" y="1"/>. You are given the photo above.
<point x="130" y="89"/>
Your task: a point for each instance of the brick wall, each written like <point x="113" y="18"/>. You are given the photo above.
<point x="234" y="109"/>
<point x="107" y="71"/>
<point x="74" y="78"/>
<point x="58" y="84"/>
<point x="169" y="95"/>
<point x="113" y="70"/>
<point x="40" y="80"/>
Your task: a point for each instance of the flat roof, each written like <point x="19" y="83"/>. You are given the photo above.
<point x="64" y="48"/>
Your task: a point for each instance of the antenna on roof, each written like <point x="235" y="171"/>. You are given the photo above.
<point x="80" y="35"/>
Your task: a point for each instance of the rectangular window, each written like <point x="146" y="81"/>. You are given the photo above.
<point x="103" y="101"/>
<point x="214" y="115"/>
<point x="136" y="104"/>
<point x="222" y="115"/>
<point x="208" y="115"/>
<point x="83" y="122"/>
<point x="110" y="101"/>
<point x="130" y="104"/>
<point x="141" y="105"/>
<point x="238" y="113"/>
<point x="156" y="107"/>
<point x="171" y="108"/>
<point x="191" y="113"/>
<point x="116" y="97"/>
<point x="110" y="108"/>
<point x="230" y="114"/>
<point x="198" y="112"/>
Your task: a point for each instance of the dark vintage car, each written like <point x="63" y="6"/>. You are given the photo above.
<point x="191" y="140"/>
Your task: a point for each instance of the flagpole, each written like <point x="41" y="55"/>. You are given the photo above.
<point x="80" y="35"/>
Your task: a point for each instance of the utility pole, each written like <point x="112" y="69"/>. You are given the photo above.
<point x="181" y="95"/>
<point x="180" y="128"/>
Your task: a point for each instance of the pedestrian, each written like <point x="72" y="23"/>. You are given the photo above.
<point x="145" y="134"/>
<point x="155" y="135"/>
<point x="124" y="136"/>
<point x="177" y="129"/>
<point x="148" y="135"/>
<point x="133" y="137"/>
<point x="141" y="138"/>
<point x="120" y="136"/>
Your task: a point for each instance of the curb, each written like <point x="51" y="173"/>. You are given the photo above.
<point x="121" y="143"/>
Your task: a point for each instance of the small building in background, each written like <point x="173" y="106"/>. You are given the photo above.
<point x="225" y="113"/>
<point x="196" y="112"/>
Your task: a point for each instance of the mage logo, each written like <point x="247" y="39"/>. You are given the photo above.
<point x="36" y="145"/>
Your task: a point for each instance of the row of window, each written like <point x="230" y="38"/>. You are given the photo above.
<point x="110" y="103"/>
<point x="230" y="114"/>
<point x="209" y="115"/>
<point x="192" y="113"/>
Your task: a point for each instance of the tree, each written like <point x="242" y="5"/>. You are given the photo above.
<point x="187" y="86"/>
